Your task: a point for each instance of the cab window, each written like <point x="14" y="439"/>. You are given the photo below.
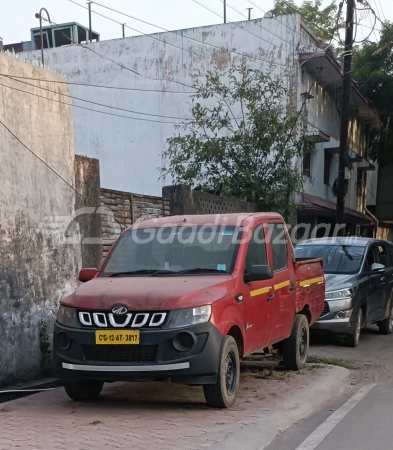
<point x="256" y="252"/>
<point x="279" y="245"/>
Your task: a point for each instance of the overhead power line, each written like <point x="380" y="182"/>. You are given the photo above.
<point x="103" y="86"/>
<point x="203" y="6"/>
<point x="40" y="159"/>
<point x="112" y="60"/>
<point x="87" y="109"/>
<point x="188" y="37"/>
<point x="296" y="10"/>
<point x="174" y="32"/>
<point x="91" y="102"/>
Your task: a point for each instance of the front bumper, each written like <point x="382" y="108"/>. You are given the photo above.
<point x="339" y="326"/>
<point x="154" y="358"/>
<point x="330" y="324"/>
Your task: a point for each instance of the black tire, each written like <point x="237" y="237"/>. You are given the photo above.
<point x="295" y="348"/>
<point x="223" y="393"/>
<point x="353" y="339"/>
<point x="386" y="326"/>
<point x="85" y="390"/>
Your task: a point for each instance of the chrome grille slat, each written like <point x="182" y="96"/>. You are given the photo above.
<point x="100" y="319"/>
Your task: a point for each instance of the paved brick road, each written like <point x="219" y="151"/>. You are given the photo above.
<point x="138" y="416"/>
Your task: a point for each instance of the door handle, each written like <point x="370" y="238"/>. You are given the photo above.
<point x="293" y="287"/>
<point x="271" y="297"/>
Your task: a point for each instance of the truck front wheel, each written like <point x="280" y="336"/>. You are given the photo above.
<point x="295" y="348"/>
<point x="85" y="390"/>
<point x="223" y="393"/>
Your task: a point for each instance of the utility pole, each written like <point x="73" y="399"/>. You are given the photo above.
<point x="90" y="30"/>
<point x="225" y="11"/>
<point x="124" y="29"/>
<point x="249" y="13"/>
<point x="345" y="109"/>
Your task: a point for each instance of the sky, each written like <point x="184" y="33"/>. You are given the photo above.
<point x="18" y="16"/>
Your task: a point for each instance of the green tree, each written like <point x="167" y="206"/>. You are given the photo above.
<point x="374" y="73"/>
<point x="322" y="21"/>
<point x="241" y="138"/>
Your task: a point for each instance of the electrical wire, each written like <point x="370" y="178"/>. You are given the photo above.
<point x="111" y="60"/>
<point x="203" y="6"/>
<point x="166" y="43"/>
<point x="43" y="162"/>
<point x="100" y="85"/>
<point x="184" y="36"/>
<point x="296" y="10"/>
<point x="260" y="26"/>
<point x="91" y="102"/>
<point x="377" y="8"/>
<point x="88" y="109"/>
<point x="164" y="29"/>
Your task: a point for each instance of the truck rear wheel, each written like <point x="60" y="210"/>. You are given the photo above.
<point x="295" y="348"/>
<point x="223" y="393"/>
<point x="85" y="390"/>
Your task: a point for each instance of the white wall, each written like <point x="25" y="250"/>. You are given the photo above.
<point x="130" y="151"/>
<point x="37" y="269"/>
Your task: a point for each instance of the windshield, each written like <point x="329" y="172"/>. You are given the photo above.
<point x="338" y="259"/>
<point x="169" y="250"/>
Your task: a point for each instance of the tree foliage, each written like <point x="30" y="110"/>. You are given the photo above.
<point x="321" y="20"/>
<point x="374" y="73"/>
<point x="239" y="138"/>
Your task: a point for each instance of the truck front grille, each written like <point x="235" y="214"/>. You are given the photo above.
<point x="120" y="353"/>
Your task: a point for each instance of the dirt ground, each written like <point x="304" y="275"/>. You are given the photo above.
<point x="372" y="360"/>
<point x="168" y="416"/>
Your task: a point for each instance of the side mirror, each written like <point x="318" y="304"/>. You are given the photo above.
<point x="376" y="267"/>
<point x="259" y="273"/>
<point x="87" y="274"/>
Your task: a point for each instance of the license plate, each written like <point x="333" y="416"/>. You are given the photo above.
<point x="124" y="337"/>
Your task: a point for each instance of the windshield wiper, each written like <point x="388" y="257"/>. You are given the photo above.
<point x="151" y="272"/>
<point x="202" y="270"/>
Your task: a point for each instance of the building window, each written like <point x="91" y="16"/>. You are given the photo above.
<point x="326" y="167"/>
<point x="307" y="165"/>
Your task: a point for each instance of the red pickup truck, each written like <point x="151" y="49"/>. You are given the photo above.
<point x="186" y="298"/>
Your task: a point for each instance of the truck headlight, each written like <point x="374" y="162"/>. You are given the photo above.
<point x="339" y="295"/>
<point x="67" y="316"/>
<point x="186" y="317"/>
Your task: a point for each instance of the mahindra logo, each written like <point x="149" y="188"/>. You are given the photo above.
<point x="119" y="310"/>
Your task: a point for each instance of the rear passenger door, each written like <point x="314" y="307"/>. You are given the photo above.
<point x="282" y="307"/>
<point x="386" y="279"/>
<point x="376" y="285"/>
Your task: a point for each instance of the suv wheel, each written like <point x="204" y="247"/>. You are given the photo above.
<point x="352" y="340"/>
<point x="386" y="325"/>
<point x="84" y="390"/>
<point x="223" y="393"/>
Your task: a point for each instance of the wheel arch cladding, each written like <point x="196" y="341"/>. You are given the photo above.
<point x="236" y="333"/>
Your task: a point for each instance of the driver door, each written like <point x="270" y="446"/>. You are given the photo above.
<point x="257" y="294"/>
